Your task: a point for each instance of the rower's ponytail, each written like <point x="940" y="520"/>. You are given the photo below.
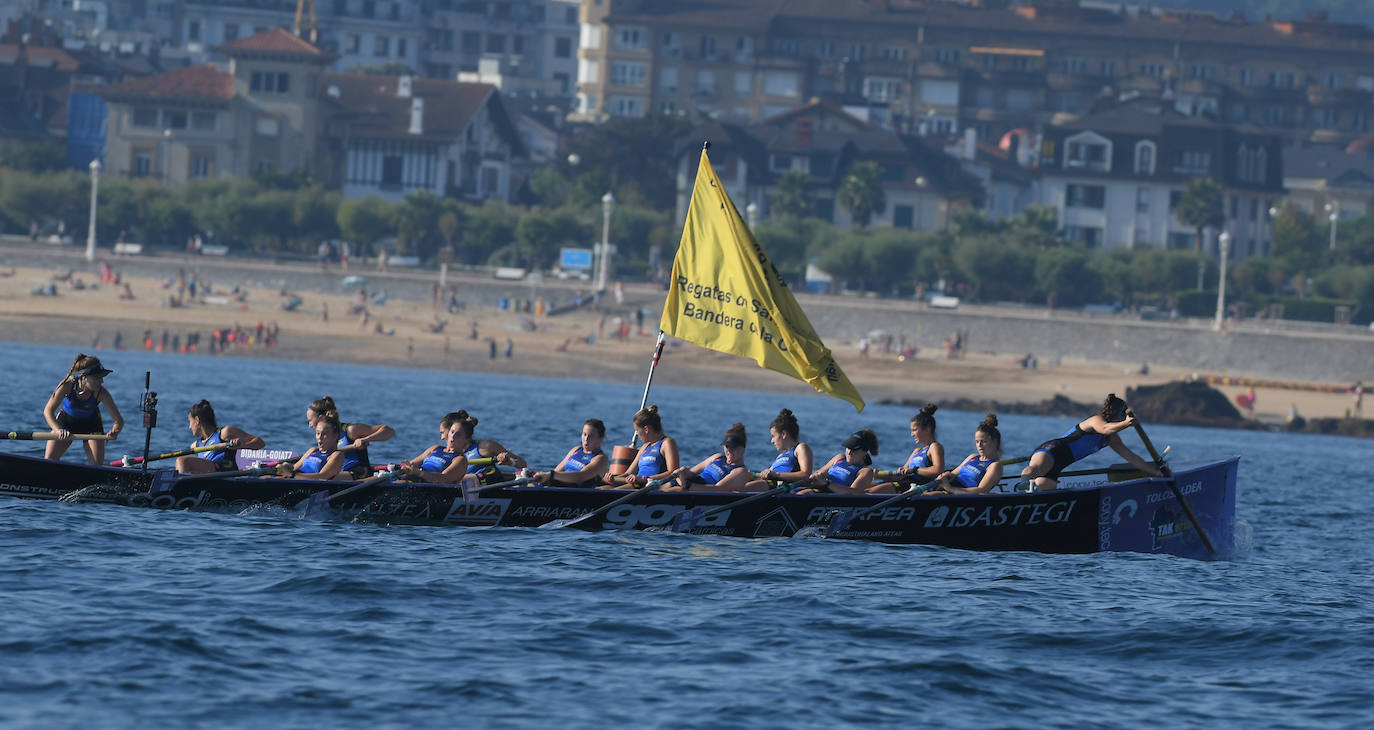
<point x="649" y="417"/>
<point x="325" y="405"/>
<point x="989" y="427"/>
<point x="467" y="421"/>
<point x="786" y="423"/>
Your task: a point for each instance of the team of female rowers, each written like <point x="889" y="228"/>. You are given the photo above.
<point x="341" y="450"/>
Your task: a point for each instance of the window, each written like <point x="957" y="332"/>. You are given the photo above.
<point x="193" y="31"/>
<point x="1193" y="162"/>
<point x="985" y="98"/>
<point x="1090" y="237"/>
<point x="707" y="46"/>
<point x="1333" y="80"/>
<point x="202" y="165"/>
<point x="369" y="8"/>
<point x="269" y="83"/>
<point x="1240" y="112"/>
<point x="1142" y="200"/>
<point x="744" y="84"/>
<point x="625" y="73"/>
<point x="1275" y="115"/>
<point x="1174" y="197"/>
<point x="559" y="78"/>
<point x="142" y="163"/>
<point x="203" y="121"/>
<point x="706" y="82"/>
<point x="570" y="16"/>
<point x="744" y="48"/>
<point x="231" y="31"/>
<point x="1074" y="65"/>
<point x="401" y="48"/>
<point x="1145" y="158"/>
<point x="903" y="216"/>
<point x="1085" y="196"/>
<point x="947" y="56"/>
<point x="1106" y="67"/>
<point x="591" y="36"/>
<point x="823" y="165"/>
<point x="517" y="44"/>
<point x="1066" y="101"/>
<point x="937" y="92"/>
<point x="627" y="106"/>
<point x="381" y="46"/>
<point x="496" y="43"/>
<point x="1328" y="118"/>
<point x="826" y="49"/>
<point x="630" y="38"/>
<point x="1199" y="71"/>
<point x="856" y="52"/>
<point x="562" y="47"/>
<point x="144" y="117"/>
<point x="1152" y="69"/>
<point x="667" y="79"/>
<point x="940" y="125"/>
<point x="1281" y="79"/>
<point x="1247" y="77"/>
<point x="588" y="71"/>
<point x="266" y="127"/>
<point x="779" y="162"/>
<point x="1254" y="210"/>
<point x="882" y="90"/>
<point x="174" y="119"/>
<point x="894" y="53"/>
<point x="1019" y="99"/>
<point x="391" y="171"/>
<point x="1088" y="153"/>
<point x="787" y="47"/>
<point x="1181" y="241"/>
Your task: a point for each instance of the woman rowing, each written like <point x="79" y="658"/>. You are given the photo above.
<point x="444" y="463"/>
<point x="851" y="471"/>
<point x="201" y="420"/>
<point x="584" y="465"/>
<point x="1086" y="438"/>
<point x="794" y="460"/>
<point x="474" y="448"/>
<point x="927" y="460"/>
<point x="354" y="436"/>
<point x="722" y="472"/>
<point x="74" y="408"/>
<point x="980" y="471"/>
<point x="656" y="460"/>
<point x="326" y="460"/>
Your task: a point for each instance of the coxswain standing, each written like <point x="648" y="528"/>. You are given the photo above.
<point x="74" y="408"/>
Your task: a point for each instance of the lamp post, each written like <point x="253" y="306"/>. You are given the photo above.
<point x="752" y="210"/>
<point x="95" y="185"/>
<point x="1224" y="240"/>
<point x="1333" y="211"/>
<point x="607" y="204"/>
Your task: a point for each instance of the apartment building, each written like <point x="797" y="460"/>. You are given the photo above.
<point x="935" y="67"/>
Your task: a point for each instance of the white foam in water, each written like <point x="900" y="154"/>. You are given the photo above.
<point x="1244" y="538"/>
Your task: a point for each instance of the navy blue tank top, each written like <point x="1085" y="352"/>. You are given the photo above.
<point x="843" y="473"/>
<point x="579" y="459"/>
<point x="80" y="407"/>
<point x="786" y="461"/>
<point x="971" y="472"/>
<point x="215" y="456"/>
<point x="438" y="459"/>
<point x="651" y="459"/>
<point x="718" y="469"/>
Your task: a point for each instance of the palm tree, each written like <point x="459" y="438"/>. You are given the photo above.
<point x="1201" y="207"/>
<point x="861" y="192"/>
<point x="790" y="197"/>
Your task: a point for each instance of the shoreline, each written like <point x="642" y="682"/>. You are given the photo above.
<point x="557" y="346"/>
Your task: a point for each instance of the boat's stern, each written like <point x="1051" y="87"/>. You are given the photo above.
<point x="1147" y="516"/>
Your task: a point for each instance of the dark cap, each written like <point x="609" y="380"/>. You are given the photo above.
<point x="96" y="370"/>
<point x="857" y="441"/>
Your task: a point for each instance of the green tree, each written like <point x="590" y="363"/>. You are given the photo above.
<point x="790" y="197"/>
<point x="1064" y="277"/>
<point x="1201" y="207"/>
<point x="417" y="223"/>
<point x="48" y="155"/>
<point x="628" y="150"/>
<point x="551" y="186"/>
<point x="365" y="220"/>
<point x="487" y="228"/>
<point x="540" y="235"/>
<point x="861" y="192"/>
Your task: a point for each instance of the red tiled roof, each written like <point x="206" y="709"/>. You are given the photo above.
<point x="276" y="40"/>
<point x="195" y="82"/>
<point x="42" y="56"/>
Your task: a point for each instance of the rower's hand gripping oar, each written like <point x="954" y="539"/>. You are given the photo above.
<point x="131" y="460"/>
<point x="1173" y="484"/>
<point x="688" y="520"/>
<point x="585" y="521"/>
<point x="842" y="518"/>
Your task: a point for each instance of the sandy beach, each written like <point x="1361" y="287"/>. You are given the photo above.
<point x="329" y="328"/>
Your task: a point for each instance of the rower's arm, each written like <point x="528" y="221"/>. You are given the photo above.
<point x="245" y="440"/>
<point x="595" y="468"/>
<point x="937" y="461"/>
<point x="1130" y="456"/>
<point x="50" y="410"/>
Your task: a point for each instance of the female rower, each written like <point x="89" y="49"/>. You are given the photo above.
<point x="354" y="436"/>
<point x="74" y="407"/>
<point x="445" y="463"/>
<point x="584" y="465"/>
<point x="326" y="460"/>
<point x="794" y="460"/>
<point x="980" y="471"/>
<point x="850" y="472"/>
<point x="657" y="459"/>
<point x="472" y="449"/>
<point x="1086" y="438"/>
<point x="723" y="472"/>
<point x="201" y="420"/>
<point x="927" y="460"/>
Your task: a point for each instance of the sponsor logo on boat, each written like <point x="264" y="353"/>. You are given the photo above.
<point x="1167" y="495"/>
<point x="534" y="512"/>
<point x="29" y="490"/>
<point x="628" y="516"/>
<point x="823" y="515"/>
<point x="1104" y="530"/>
<point x="168" y="501"/>
<point x="1129" y="504"/>
<point x="1006" y="516"/>
<point x="482" y="513"/>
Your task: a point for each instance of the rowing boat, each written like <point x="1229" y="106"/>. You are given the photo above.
<point x="1084" y="516"/>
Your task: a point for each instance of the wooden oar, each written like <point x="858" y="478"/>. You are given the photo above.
<point x="321" y="499"/>
<point x="687" y="520"/>
<point x="1173" y="484"/>
<point x="131" y="460"/>
<point x="50" y="436"/>
<point x="841" y="519"/>
<point x="584" y="521"/>
<point x="257" y="471"/>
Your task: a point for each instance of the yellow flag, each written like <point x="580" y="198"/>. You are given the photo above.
<point x="725" y="295"/>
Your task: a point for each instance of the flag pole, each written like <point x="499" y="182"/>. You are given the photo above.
<point x="653" y="365"/>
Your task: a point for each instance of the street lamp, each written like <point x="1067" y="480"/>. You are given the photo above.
<point x="752" y="210"/>
<point x="1333" y="211"/>
<point x="95" y="185"/>
<point x="607" y="204"/>
<point x="1225" y="241"/>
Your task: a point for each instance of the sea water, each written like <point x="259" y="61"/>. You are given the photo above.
<point x="125" y="618"/>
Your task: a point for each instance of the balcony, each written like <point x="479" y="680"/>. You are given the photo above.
<point x="1327" y="96"/>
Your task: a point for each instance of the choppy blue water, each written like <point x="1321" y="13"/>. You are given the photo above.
<point x="120" y="618"/>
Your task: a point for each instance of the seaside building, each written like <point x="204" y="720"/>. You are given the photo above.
<point x="275" y="109"/>
<point x="941" y="67"/>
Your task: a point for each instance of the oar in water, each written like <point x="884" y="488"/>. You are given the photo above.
<point x="585" y="521"/>
<point x="320" y="500"/>
<point x="1173" y="484"/>
<point x="688" y="519"/>
<point x="842" y="518"/>
<point x="50" y="436"/>
<point x="267" y="467"/>
<point x="131" y="460"/>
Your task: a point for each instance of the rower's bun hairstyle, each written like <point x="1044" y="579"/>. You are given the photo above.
<point x="331" y="418"/>
<point x="1113" y="408"/>
<point x="926" y="418"/>
<point x="786" y="423"/>
<point x="466" y="421"/>
<point x="597" y="426"/>
<point x="205" y="412"/>
<point x="649" y="417"/>
<point x="448" y="420"/>
<point x="735" y="436"/>
<point x="324" y="405"/>
<point x="989" y="427"/>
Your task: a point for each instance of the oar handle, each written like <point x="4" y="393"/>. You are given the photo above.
<point x="1149" y="445"/>
<point x="385" y="476"/>
<point x="50" y="436"/>
<point x="263" y="468"/>
<point x="1173" y="484"/>
<point x="603" y="509"/>
<point x="129" y="461"/>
